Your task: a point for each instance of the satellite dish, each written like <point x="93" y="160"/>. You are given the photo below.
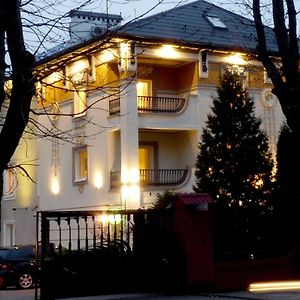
<point x="96" y="30"/>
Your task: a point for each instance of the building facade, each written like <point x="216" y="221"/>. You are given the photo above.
<point x="122" y="109"/>
<point x="132" y="107"/>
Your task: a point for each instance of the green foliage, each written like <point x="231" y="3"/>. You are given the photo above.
<point x="234" y="164"/>
<point x="165" y="200"/>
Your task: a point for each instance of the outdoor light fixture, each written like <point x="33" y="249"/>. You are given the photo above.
<point x="273" y="286"/>
<point x="54" y="77"/>
<point x="107" y="56"/>
<point x="55" y="188"/>
<point x="79" y="66"/>
<point x="98" y="180"/>
<point x="167" y="51"/>
<point x="235" y="59"/>
<point x="130" y="189"/>
<point x="108" y="218"/>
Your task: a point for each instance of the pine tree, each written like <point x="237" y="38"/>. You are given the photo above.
<point x="234" y="164"/>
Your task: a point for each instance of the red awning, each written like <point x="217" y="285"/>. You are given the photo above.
<point x="201" y="198"/>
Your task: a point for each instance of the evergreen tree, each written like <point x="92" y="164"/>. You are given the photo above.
<point x="234" y="164"/>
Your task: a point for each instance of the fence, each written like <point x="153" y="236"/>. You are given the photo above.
<point x="94" y="252"/>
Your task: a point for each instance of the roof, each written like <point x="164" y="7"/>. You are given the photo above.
<point x="186" y="25"/>
<point x="189" y="24"/>
<point x="192" y="198"/>
<point x="89" y="14"/>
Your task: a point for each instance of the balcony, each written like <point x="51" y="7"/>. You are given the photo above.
<point x="162" y="177"/>
<point x="152" y="104"/>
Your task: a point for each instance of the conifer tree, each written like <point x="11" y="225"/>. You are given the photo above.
<point x="234" y="164"/>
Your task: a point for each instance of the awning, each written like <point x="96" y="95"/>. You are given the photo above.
<point x="192" y="198"/>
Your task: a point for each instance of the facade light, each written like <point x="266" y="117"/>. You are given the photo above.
<point x="55" y="187"/>
<point x="98" y="180"/>
<point x="236" y="59"/>
<point x="168" y="51"/>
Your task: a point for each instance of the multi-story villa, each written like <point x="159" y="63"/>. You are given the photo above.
<point x="123" y="107"/>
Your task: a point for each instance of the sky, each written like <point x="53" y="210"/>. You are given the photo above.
<point x="129" y="9"/>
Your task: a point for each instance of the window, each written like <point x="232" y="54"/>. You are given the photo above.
<point x="80" y="162"/>
<point x="144" y="88"/>
<point x="144" y="91"/>
<point x="79" y="104"/>
<point x="9" y="183"/>
<point x="216" y="22"/>
<point x="9" y="233"/>
<point x="148" y="155"/>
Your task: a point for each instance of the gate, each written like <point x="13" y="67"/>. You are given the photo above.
<point x="95" y="252"/>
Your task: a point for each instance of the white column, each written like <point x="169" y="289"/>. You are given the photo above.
<point x="130" y="191"/>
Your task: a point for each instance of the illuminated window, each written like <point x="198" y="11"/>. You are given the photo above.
<point x="79" y="104"/>
<point x="215" y="21"/>
<point x="9" y="183"/>
<point x="148" y="155"/>
<point x="80" y="162"/>
<point x="144" y="90"/>
<point x="147" y="159"/>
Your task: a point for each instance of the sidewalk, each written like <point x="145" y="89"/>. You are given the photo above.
<point x="224" y="296"/>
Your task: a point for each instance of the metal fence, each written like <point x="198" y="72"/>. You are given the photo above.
<point x="94" y="252"/>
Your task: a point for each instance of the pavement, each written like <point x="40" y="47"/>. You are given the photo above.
<point x="218" y="296"/>
<point x="242" y="295"/>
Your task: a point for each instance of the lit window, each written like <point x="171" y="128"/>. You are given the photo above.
<point x="9" y="183"/>
<point x="80" y="159"/>
<point x="79" y="104"/>
<point x="215" y="21"/>
<point x="144" y="88"/>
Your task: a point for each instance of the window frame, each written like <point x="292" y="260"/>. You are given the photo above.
<point x="77" y="113"/>
<point x="154" y="146"/>
<point x="9" y="184"/>
<point x="148" y="82"/>
<point x="77" y="179"/>
<point x="215" y="21"/>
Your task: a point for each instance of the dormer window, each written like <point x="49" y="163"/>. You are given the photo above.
<point x="215" y="21"/>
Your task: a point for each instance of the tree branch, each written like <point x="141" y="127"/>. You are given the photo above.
<point x="262" y="51"/>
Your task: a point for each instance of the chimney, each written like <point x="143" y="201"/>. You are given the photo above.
<point x="85" y="25"/>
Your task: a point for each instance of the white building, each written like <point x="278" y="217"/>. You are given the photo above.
<point x="126" y="108"/>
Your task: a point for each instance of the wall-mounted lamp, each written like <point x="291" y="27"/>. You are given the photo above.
<point x="98" y="180"/>
<point x="203" y="64"/>
<point x="55" y="187"/>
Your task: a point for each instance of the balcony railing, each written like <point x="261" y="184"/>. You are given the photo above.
<point x="152" y="104"/>
<point x="160" y="104"/>
<point x="148" y="177"/>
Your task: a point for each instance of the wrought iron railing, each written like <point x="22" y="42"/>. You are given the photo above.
<point x="152" y="104"/>
<point x="160" y="104"/>
<point x="151" y="177"/>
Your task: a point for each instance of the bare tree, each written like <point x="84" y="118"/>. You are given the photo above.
<point x="285" y="76"/>
<point x="22" y="65"/>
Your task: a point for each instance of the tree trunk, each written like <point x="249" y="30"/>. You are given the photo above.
<point x="22" y="64"/>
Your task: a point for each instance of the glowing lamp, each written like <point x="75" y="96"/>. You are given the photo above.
<point x="55" y="188"/>
<point x="98" y="181"/>
<point x="168" y="51"/>
<point x="236" y="59"/>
